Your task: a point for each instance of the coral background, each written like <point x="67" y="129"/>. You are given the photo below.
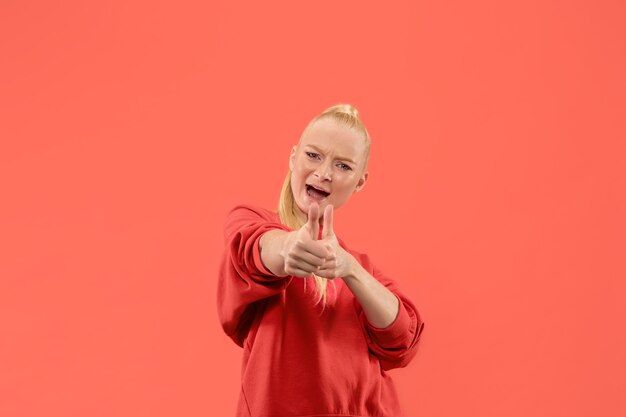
<point x="496" y="199"/>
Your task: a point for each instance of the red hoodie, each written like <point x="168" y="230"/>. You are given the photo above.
<point x="300" y="360"/>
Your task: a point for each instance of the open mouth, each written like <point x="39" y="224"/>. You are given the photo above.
<point x="315" y="193"/>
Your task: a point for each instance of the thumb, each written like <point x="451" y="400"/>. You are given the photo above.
<point x="328" y="222"/>
<point x="313" y="221"/>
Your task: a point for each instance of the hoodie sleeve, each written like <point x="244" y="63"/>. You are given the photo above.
<point x="243" y="280"/>
<point x="397" y="344"/>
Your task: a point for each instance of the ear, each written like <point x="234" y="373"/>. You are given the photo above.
<point x="362" y="181"/>
<point x="292" y="157"/>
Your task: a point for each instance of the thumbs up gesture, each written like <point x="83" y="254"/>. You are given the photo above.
<point x="339" y="262"/>
<point x="303" y="253"/>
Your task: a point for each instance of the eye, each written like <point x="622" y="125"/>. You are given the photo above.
<point x="311" y="154"/>
<point x="345" y="167"/>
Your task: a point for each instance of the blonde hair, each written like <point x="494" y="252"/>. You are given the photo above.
<point x="345" y="115"/>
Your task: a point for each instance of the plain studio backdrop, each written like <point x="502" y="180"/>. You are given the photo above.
<point x="496" y="199"/>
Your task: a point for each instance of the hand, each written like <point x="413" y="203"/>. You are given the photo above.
<point x="339" y="262"/>
<point x="303" y="253"/>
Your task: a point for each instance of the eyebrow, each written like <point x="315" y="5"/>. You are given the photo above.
<point x="339" y="157"/>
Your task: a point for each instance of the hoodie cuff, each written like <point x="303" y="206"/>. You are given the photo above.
<point x="396" y="332"/>
<point x="258" y="263"/>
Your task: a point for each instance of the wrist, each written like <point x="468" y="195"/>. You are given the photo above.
<point x="272" y="254"/>
<point x="354" y="268"/>
<point x="285" y="244"/>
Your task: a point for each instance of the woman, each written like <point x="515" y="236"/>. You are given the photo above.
<point x="301" y="359"/>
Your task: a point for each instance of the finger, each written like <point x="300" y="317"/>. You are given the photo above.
<point x="313" y="220"/>
<point x="328" y="222"/>
<point x="299" y="273"/>
<point x="295" y="266"/>
<point x="303" y="267"/>
<point x="318" y="249"/>
<point x="309" y="259"/>
<point x="328" y="265"/>
<point x="327" y="270"/>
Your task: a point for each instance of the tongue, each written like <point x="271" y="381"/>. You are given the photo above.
<point x="318" y="195"/>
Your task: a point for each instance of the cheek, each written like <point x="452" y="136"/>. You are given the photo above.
<point x="302" y="171"/>
<point x="346" y="188"/>
<point x="297" y="181"/>
<point x="299" y="175"/>
<point x="300" y="166"/>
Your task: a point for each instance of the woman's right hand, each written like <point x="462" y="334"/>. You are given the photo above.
<point x="303" y="253"/>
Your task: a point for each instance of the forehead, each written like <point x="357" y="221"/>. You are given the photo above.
<point x="331" y="137"/>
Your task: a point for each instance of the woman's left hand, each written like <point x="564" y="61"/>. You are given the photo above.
<point x="340" y="262"/>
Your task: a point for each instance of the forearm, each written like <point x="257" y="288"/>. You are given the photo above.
<point x="380" y="305"/>
<point x="271" y="245"/>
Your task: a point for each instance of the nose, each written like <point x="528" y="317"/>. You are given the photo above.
<point x="323" y="172"/>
